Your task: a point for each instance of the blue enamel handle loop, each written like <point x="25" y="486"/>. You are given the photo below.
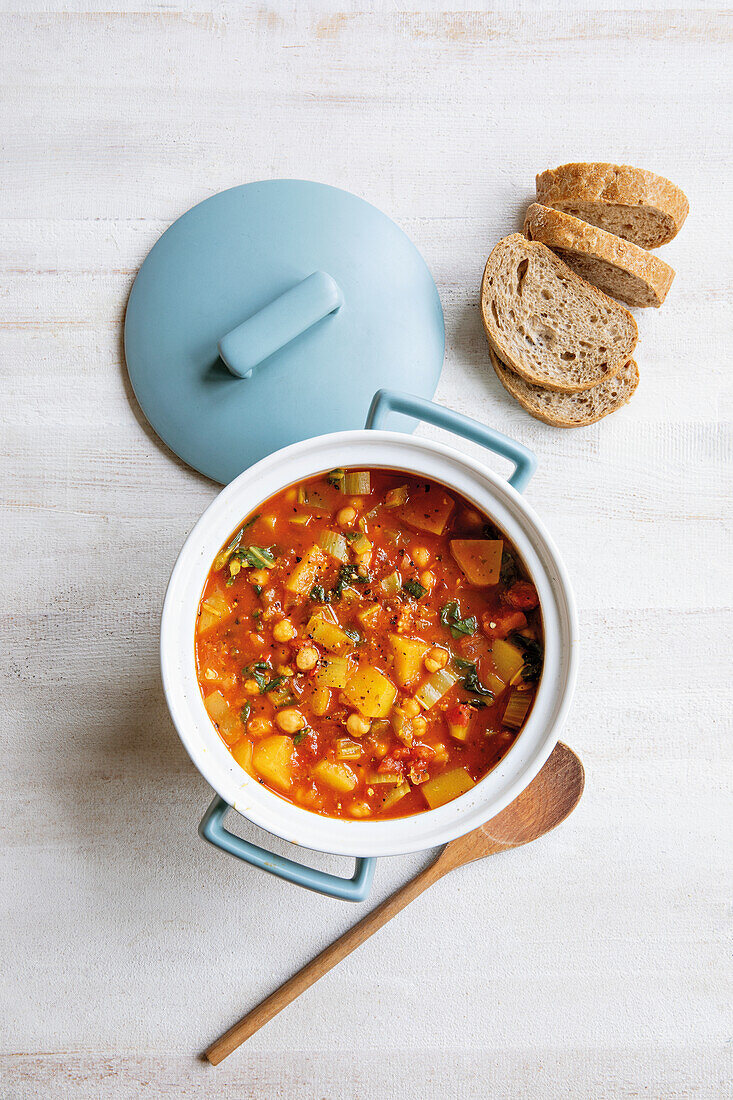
<point x="355" y="888"/>
<point x="274" y="326"/>
<point x="386" y="401"/>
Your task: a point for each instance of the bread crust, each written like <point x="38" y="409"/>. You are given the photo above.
<point x="505" y="354"/>
<point x="525" y="393"/>
<point x="617" y="185"/>
<point x="643" y="279"/>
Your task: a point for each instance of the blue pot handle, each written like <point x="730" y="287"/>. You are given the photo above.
<point x="355" y="888"/>
<point x="386" y="401"/>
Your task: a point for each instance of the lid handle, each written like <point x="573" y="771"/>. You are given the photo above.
<point x="276" y="324"/>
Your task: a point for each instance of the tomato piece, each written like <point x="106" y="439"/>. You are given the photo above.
<point x="459" y="714"/>
<point x="501" y="626"/>
<point x="522" y="595"/>
<point x="391" y="766"/>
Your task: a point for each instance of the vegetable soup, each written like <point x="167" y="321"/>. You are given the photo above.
<point x="368" y="644"/>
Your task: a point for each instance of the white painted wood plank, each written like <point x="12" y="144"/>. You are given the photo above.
<point x="599" y="958"/>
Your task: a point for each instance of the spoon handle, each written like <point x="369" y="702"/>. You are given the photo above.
<point x="327" y="959"/>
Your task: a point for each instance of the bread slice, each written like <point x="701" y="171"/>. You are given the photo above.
<point x="639" y="206"/>
<point x="547" y="324"/>
<point x="569" y="410"/>
<point x="617" y="267"/>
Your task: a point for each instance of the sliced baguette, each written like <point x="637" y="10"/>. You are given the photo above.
<point x="639" y="206"/>
<point x="548" y="325"/>
<point x="615" y="266"/>
<point x="569" y="410"/>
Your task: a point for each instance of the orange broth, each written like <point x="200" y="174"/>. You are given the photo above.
<point x="368" y="644"/>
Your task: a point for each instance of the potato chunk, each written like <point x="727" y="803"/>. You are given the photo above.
<point x="214" y="610"/>
<point x="428" y="509"/>
<point x="328" y="635"/>
<point x="446" y="786"/>
<point x="273" y="757"/>
<point x="370" y="692"/>
<point x="230" y="728"/>
<point x="508" y="659"/>
<point x="303" y="576"/>
<point x="242" y="753"/>
<point x="338" y="776"/>
<point x="408" y="655"/>
<point x="480" y="559"/>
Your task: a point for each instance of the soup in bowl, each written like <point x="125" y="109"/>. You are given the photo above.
<point x="369" y="644"/>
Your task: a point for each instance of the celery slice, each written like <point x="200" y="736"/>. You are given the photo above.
<point x="360" y="544"/>
<point x="435" y="687"/>
<point x="392" y="584"/>
<point x="395" y="795"/>
<point x="517" y="709"/>
<point x="347" y="750"/>
<point x="334" y="544"/>
<point x="356" y="482"/>
<point x="333" y="673"/>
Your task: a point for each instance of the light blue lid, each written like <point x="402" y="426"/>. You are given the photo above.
<point x="271" y="313"/>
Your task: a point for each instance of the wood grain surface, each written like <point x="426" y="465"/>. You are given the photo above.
<point x="594" y="963"/>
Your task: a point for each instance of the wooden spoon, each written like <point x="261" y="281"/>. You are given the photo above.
<point x="550" y="797"/>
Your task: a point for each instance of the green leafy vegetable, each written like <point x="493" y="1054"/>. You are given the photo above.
<point x="348" y="574"/>
<point x="245" y="713"/>
<point x="533" y="656"/>
<point x="223" y="557"/>
<point x="257" y="588"/>
<point x="335" y="477"/>
<point x="450" y="616"/>
<point x="508" y="571"/>
<point x="258" y="556"/>
<point x="414" y="588"/>
<point x="470" y="679"/>
<point x="319" y="594"/>
<point x="354" y="634"/>
<point x="260" y="672"/>
<point x="298" y="737"/>
<point x="274" y="683"/>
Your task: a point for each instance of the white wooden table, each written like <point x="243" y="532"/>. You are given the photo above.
<point x="595" y="963"/>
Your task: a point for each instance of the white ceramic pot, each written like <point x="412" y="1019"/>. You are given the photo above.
<point x="492" y="495"/>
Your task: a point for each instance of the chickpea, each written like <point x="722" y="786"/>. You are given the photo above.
<point x="258" y="726"/>
<point x="359" y="808"/>
<point x="411" y="707"/>
<point x="419" y="726"/>
<point x="358" y="726"/>
<point x="259" y="576"/>
<point x="420" y="556"/>
<point x="307" y="658"/>
<point x="290" y="720"/>
<point x="345" y="517"/>
<point x="284" y="631"/>
<point x="251" y="687"/>
<point x="436" y="658"/>
<point x="427" y="579"/>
